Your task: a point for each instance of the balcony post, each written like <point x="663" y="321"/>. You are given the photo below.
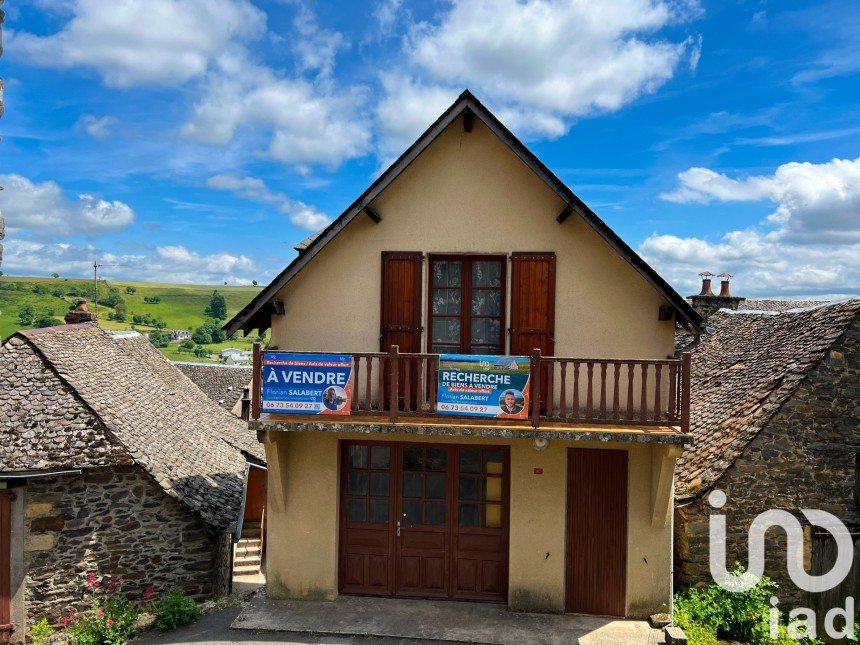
<point x="394" y="381"/>
<point x="535" y="387"/>
<point x="257" y="383"/>
<point x="686" y="369"/>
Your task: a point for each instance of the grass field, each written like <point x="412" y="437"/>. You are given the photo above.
<point x="181" y="306"/>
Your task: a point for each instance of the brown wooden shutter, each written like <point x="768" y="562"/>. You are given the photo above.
<point x="401" y="301"/>
<point x="533" y="303"/>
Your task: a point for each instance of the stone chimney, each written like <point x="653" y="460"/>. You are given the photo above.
<point x="706" y="303"/>
<point x="80" y="314"/>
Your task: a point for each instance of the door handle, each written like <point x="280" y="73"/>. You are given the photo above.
<point x="398" y="528"/>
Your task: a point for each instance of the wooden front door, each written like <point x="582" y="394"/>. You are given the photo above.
<point x="400" y="322"/>
<point x="424" y="520"/>
<point x="596" y="559"/>
<point x="255" y="497"/>
<point x="6" y="497"/>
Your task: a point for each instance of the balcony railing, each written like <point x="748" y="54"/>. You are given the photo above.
<point x="399" y="386"/>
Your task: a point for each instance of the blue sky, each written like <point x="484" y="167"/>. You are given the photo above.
<point x="195" y="141"/>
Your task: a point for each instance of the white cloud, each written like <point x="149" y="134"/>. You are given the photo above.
<point x="97" y="127"/>
<point x="543" y="62"/>
<point x="300" y="214"/>
<point x="44" y="209"/>
<point x="162" y="264"/>
<point x="809" y="244"/>
<point x="305" y="123"/>
<point x="386" y="14"/>
<point x="316" y="48"/>
<point x="814" y="202"/>
<point x="143" y="42"/>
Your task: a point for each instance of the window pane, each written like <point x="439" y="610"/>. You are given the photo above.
<point x="357" y="457"/>
<point x="493" y="516"/>
<point x="379" y="457"/>
<point x="356" y="509"/>
<point x="485" y="330"/>
<point x="412" y="513"/>
<point x="356" y="482"/>
<point x="487" y="273"/>
<point x="436" y="458"/>
<point x="412" y="485"/>
<point x="434" y="513"/>
<point x="469" y="515"/>
<point x="446" y="273"/>
<point x="435" y="487"/>
<point x="379" y="511"/>
<point x="446" y="301"/>
<point x="493" y="489"/>
<point x="379" y="484"/>
<point x="469" y="461"/>
<point x="486" y="302"/>
<point x="446" y="330"/>
<point x="445" y="349"/>
<point x="469" y="487"/>
<point x="493" y="462"/>
<point x="413" y="458"/>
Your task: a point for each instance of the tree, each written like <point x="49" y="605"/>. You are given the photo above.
<point x="47" y="320"/>
<point x="55" y="275"/>
<point x="113" y="298"/>
<point x="200" y="352"/>
<point x="187" y="344"/>
<point x="217" y="306"/>
<point x="26" y="315"/>
<point x="254" y="282"/>
<point x="131" y="290"/>
<point x="201" y="336"/>
<point x="159" y="339"/>
<point x="152" y="300"/>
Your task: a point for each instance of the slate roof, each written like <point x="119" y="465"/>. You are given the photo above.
<point x="146" y="406"/>
<point x="743" y="374"/>
<point x="779" y="304"/>
<point x="221" y="383"/>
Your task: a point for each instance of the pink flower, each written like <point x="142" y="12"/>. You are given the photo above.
<point x="92" y="582"/>
<point x="109" y="622"/>
<point x="101" y="613"/>
<point x="148" y="593"/>
<point x="69" y="618"/>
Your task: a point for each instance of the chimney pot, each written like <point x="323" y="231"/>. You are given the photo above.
<point x="80" y="314"/>
<point x="724" y="285"/>
<point x="706" y="283"/>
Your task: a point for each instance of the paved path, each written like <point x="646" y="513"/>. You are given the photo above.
<point x="460" y="622"/>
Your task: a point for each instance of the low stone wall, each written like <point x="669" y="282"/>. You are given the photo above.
<point x="806" y="457"/>
<point x="113" y="522"/>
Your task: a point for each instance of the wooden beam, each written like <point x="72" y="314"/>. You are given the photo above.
<point x="277" y="307"/>
<point x="467" y="120"/>
<point x="563" y="215"/>
<point x="373" y="215"/>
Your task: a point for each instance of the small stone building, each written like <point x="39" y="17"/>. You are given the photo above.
<point x="775" y="415"/>
<point x="111" y="461"/>
<point x="223" y="384"/>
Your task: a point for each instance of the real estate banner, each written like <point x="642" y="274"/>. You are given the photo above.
<point x="306" y="383"/>
<point x="483" y="386"/>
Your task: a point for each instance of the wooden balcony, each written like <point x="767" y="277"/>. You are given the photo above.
<point x="399" y="389"/>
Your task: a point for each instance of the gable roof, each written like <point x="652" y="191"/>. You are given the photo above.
<point x="257" y="313"/>
<point x="223" y="384"/>
<point x="743" y="374"/>
<point x="161" y="420"/>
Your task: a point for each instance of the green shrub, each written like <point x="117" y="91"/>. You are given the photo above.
<point x="174" y="610"/>
<point x="109" y="619"/>
<point x="41" y="632"/>
<point x="713" y="612"/>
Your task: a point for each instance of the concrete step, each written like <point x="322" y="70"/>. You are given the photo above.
<point x="246" y="570"/>
<point x="250" y="552"/>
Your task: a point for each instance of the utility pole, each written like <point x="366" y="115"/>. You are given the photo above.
<point x="96" y="267"/>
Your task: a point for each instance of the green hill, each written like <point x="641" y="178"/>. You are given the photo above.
<point x="180" y="306"/>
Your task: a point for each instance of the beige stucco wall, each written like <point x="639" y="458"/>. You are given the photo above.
<point x="303" y="521"/>
<point x="470" y="193"/>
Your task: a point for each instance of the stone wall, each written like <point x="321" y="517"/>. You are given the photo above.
<point x="804" y="458"/>
<point x="114" y="521"/>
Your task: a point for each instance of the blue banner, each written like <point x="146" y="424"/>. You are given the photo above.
<point x="306" y="383"/>
<point x="484" y="386"/>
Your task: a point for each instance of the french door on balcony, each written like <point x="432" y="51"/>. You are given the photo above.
<point x="424" y="520"/>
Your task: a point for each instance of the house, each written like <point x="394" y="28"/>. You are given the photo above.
<point x="178" y="335"/>
<point x="223" y="384"/>
<point x="775" y="420"/>
<point x="469" y="245"/>
<point x="111" y="461"/>
<point x="233" y="356"/>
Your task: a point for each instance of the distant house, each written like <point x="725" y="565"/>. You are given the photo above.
<point x="178" y="335"/>
<point x="111" y="461"/>
<point x="775" y="418"/>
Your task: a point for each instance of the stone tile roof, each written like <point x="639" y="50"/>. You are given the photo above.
<point x="779" y="304"/>
<point x="743" y="374"/>
<point x="221" y="383"/>
<point x="164" y="423"/>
